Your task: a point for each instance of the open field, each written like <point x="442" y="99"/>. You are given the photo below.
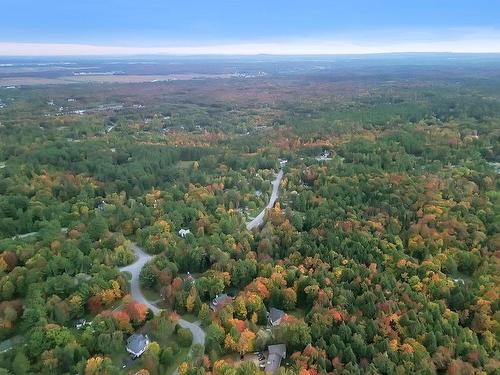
<point x="107" y="78"/>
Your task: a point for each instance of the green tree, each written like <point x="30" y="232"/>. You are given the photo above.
<point x="185" y="337"/>
<point x="21" y="364"/>
<point x="97" y="227"/>
<point x="247" y="368"/>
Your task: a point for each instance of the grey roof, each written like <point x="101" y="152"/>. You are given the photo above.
<point x="219" y="299"/>
<point x="276" y="354"/>
<point x="275" y="314"/>
<point x="137" y="343"/>
<point x="279" y="349"/>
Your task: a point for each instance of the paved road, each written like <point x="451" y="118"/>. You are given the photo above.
<point x="135" y="270"/>
<point x="198" y="335"/>
<point x="259" y="219"/>
<point x="198" y="332"/>
<point x="26" y="235"/>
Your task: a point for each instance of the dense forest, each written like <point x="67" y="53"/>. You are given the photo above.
<point x="381" y="251"/>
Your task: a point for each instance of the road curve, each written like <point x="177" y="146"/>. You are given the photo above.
<point x="135" y="270"/>
<point x="135" y="290"/>
<point x="198" y="335"/>
<point x="196" y="330"/>
<point x="259" y="219"/>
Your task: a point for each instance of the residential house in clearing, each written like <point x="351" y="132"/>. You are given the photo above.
<point x="82" y="323"/>
<point x="184" y="232"/>
<point x="325" y="156"/>
<point x="101" y="206"/>
<point x="275" y="316"/>
<point x="220" y="301"/>
<point x="276" y="354"/>
<point x="137" y="344"/>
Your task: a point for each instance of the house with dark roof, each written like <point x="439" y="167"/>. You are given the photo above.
<point x="275" y="316"/>
<point x="276" y="354"/>
<point x="220" y="301"/>
<point x="137" y="344"/>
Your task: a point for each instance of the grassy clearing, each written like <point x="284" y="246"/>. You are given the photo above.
<point x="180" y="357"/>
<point x="190" y="317"/>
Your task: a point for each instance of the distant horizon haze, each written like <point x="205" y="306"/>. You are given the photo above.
<point x="489" y="44"/>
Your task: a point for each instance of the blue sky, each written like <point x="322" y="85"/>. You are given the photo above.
<point x="150" y="24"/>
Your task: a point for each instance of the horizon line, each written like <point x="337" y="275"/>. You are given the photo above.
<point x="285" y="48"/>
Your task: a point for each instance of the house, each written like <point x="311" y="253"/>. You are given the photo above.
<point x="184" y="232"/>
<point x="82" y="323"/>
<point x="276" y="354"/>
<point x="283" y="162"/>
<point x="275" y="316"/>
<point x="137" y="344"/>
<point x="325" y="156"/>
<point x="220" y="301"/>
<point x="101" y="206"/>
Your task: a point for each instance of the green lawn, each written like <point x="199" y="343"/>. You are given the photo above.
<point x="298" y="313"/>
<point x="190" y="317"/>
<point x="180" y="357"/>
<point x="150" y="294"/>
<point x="185" y="164"/>
<point x="122" y="357"/>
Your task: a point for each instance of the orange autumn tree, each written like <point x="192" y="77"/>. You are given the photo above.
<point x="123" y="320"/>
<point x="246" y="342"/>
<point x="137" y="311"/>
<point x="98" y="365"/>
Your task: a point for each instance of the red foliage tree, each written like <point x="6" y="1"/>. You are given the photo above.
<point x="95" y="304"/>
<point x="137" y="311"/>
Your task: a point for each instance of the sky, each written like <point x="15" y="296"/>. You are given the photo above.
<point x="44" y="27"/>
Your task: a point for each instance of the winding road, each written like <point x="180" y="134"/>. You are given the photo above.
<point x="142" y="258"/>
<point x="135" y="270"/>
<point x="135" y="290"/>
<point x="259" y="219"/>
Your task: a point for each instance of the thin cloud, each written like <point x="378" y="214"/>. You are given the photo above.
<point x="472" y="44"/>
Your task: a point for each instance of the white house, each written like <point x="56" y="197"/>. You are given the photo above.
<point x="184" y="232"/>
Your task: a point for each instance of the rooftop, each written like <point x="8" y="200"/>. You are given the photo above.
<point x="276" y="354"/>
<point x="219" y="301"/>
<point x="137" y="343"/>
<point x="275" y="314"/>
